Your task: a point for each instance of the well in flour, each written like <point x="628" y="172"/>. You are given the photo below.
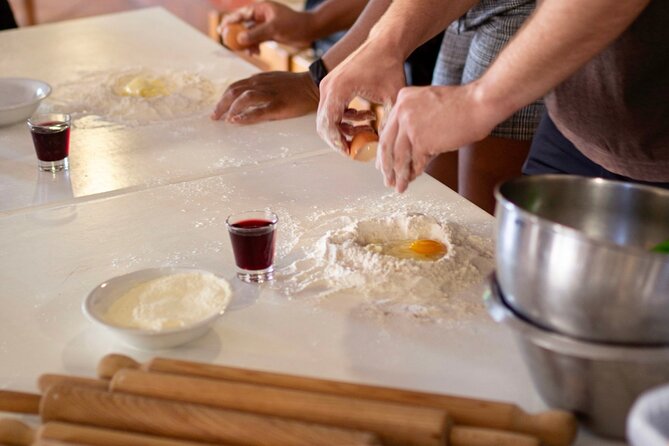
<point x="348" y="258"/>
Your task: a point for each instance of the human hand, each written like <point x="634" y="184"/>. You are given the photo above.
<point x="369" y="73"/>
<point x="267" y="97"/>
<point x="426" y="121"/>
<point x="271" y="21"/>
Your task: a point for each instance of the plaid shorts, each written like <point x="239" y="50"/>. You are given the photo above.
<point x="471" y="44"/>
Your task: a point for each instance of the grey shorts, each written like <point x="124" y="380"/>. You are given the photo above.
<point x="471" y="44"/>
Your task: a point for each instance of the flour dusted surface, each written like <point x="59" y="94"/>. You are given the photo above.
<point x="166" y="95"/>
<point x="173" y="301"/>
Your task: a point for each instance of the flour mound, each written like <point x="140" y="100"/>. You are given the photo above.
<point x="136" y="96"/>
<point x="341" y="260"/>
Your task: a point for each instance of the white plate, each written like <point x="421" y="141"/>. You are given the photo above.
<point x="19" y="98"/>
<point x="100" y="299"/>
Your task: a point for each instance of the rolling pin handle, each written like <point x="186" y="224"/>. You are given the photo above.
<point x="554" y="427"/>
<point x="19" y="402"/>
<point x="112" y="363"/>
<point x="15" y="433"/>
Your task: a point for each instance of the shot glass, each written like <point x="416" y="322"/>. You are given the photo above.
<point x="252" y="235"/>
<point x="51" y="138"/>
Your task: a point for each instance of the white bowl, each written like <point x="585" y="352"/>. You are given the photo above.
<point x="101" y="298"/>
<point x="648" y="422"/>
<point x="19" y="98"/>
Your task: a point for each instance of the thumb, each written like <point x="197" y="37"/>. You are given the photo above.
<point x="256" y="35"/>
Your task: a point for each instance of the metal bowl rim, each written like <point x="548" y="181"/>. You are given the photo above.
<point x="564" y="230"/>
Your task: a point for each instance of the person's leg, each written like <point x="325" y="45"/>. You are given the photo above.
<point x="485" y="164"/>
<point x="500" y="156"/>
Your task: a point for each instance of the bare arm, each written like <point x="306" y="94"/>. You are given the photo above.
<point x="556" y="41"/>
<point x="334" y="15"/>
<point x="357" y="34"/>
<point x="410" y="23"/>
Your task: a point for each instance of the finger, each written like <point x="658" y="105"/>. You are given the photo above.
<point x="228" y="98"/>
<point x="248" y="108"/>
<point x="253" y="50"/>
<point x="402" y="161"/>
<point x="386" y="147"/>
<point x="256" y="34"/>
<point x="418" y="165"/>
<point x="328" y="118"/>
<point x="237" y="16"/>
<point x="351" y="114"/>
<point x="352" y="130"/>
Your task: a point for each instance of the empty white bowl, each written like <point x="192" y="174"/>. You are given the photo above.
<point x="19" y="98"/>
<point x="104" y="295"/>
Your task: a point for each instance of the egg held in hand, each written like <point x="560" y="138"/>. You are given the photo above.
<point x="230" y="36"/>
<point x="363" y="146"/>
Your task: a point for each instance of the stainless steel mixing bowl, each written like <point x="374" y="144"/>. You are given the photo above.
<point x="573" y="255"/>
<point x="598" y="382"/>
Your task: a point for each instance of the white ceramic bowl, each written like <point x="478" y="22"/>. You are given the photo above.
<point x="19" y="98"/>
<point x="100" y="299"/>
<point x="648" y="422"/>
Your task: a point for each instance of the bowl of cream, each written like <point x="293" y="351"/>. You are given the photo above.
<point x="159" y="308"/>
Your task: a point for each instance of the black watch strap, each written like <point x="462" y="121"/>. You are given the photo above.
<point x="318" y="71"/>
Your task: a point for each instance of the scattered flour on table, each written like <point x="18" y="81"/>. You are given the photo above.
<point x="173" y="301"/>
<point x="136" y="96"/>
<point x="340" y="259"/>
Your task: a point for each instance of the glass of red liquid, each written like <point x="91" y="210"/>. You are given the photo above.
<point x="252" y="235"/>
<point x="51" y="138"/>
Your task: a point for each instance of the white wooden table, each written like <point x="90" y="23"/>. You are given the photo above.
<point x="142" y="196"/>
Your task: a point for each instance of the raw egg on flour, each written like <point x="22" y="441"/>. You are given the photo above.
<point x="420" y="249"/>
<point x="141" y="87"/>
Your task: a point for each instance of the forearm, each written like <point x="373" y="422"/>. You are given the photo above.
<point x="357" y="34"/>
<point x="555" y="42"/>
<point x="334" y="15"/>
<point x="409" y="23"/>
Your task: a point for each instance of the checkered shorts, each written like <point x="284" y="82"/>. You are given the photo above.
<point x="471" y="44"/>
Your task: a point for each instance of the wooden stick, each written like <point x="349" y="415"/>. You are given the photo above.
<point x="16" y="433"/>
<point x="49" y="379"/>
<point x="83" y="405"/>
<point x="105" y="437"/>
<point x="458" y="435"/>
<point x="554" y="427"/>
<point x="395" y="424"/>
<point x="19" y="402"/>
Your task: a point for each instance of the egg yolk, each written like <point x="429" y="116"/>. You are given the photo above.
<point x="428" y="247"/>
<point x="421" y="249"/>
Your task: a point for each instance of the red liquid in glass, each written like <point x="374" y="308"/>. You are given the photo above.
<point x="254" y="245"/>
<point x="52" y="140"/>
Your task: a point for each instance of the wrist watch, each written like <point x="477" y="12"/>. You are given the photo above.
<point x="318" y="71"/>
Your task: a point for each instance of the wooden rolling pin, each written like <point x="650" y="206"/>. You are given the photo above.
<point x="16" y="433"/>
<point x="85" y="405"/>
<point x="302" y="405"/>
<point x="553" y="428"/>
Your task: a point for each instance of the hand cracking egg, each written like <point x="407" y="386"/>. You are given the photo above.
<point x="420" y="249"/>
